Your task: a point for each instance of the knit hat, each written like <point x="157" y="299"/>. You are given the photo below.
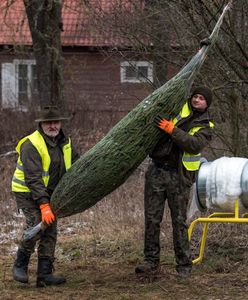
<point x="204" y="91"/>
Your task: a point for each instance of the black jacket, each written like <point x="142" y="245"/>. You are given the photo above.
<point x="169" y="150"/>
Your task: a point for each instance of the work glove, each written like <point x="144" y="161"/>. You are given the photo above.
<point x="47" y="215"/>
<point x="164" y="124"/>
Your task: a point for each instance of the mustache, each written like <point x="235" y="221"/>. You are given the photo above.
<point x="53" y="129"/>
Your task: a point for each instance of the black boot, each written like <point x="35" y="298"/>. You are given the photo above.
<point x="20" y="269"/>
<point x="45" y="274"/>
<point x="147" y="268"/>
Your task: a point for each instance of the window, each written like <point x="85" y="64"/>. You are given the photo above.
<point x="136" y="71"/>
<point x="19" y="83"/>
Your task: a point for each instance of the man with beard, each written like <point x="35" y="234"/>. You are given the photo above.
<point x="44" y="157"/>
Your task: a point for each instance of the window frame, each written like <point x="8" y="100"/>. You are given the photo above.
<point x="29" y="63"/>
<point x="135" y="65"/>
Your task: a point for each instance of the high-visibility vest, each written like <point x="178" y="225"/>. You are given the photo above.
<point x="18" y="180"/>
<point x="190" y="161"/>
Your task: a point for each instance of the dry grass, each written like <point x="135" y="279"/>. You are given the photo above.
<point x="97" y="250"/>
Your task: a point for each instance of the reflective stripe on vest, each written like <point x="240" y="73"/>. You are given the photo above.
<point x="18" y="181"/>
<point x="190" y="161"/>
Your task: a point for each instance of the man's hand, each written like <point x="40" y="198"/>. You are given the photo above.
<point x="47" y="214"/>
<point x="164" y="124"/>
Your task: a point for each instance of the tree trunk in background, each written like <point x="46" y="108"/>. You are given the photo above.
<point x="44" y="17"/>
<point x="160" y="35"/>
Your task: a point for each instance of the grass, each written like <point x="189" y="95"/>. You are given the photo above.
<point x="105" y="270"/>
<point x="98" y="250"/>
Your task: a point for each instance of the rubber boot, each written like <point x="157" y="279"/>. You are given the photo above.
<point x="20" y="268"/>
<point x="45" y="274"/>
<point x="146" y="268"/>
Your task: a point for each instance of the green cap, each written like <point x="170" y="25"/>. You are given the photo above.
<point x="51" y="113"/>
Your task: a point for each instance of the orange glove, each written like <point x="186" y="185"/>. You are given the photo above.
<point x="46" y="213"/>
<point x="165" y="125"/>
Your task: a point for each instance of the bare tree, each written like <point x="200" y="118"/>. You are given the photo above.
<point x="169" y="32"/>
<point x="44" y="17"/>
<point x="226" y="68"/>
<point x="166" y="32"/>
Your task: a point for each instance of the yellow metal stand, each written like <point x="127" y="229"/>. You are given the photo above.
<point x="216" y="218"/>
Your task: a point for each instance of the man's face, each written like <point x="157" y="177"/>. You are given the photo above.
<point x="199" y="102"/>
<point x="51" y="128"/>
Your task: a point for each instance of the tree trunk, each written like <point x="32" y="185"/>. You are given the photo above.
<point x="160" y="35"/>
<point x="44" y="17"/>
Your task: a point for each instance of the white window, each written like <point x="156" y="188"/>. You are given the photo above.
<point x="136" y="71"/>
<point x="19" y="83"/>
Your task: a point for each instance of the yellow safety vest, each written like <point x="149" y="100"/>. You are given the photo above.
<point x="18" y="181"/>
<point x="190" y="161"/>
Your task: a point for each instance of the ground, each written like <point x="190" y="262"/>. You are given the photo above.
<point x="98" y="250"/>
<point x="104" y="269"/>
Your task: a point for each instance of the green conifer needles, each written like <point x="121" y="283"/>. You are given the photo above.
<point x="112" y="160"/>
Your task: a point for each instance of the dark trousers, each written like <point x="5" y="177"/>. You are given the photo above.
<point x="46" y="240"/>
<point x="162" y="184"/>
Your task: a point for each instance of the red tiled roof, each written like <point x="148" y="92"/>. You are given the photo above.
<point x="78" y="23"/>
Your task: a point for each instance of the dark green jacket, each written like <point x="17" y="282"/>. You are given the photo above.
<point x="32" y="165"/>
<point x="169" y="150"/>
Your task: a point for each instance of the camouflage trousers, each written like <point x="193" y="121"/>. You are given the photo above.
<point x="46" y="240"/>
<point x="162" y="184"/>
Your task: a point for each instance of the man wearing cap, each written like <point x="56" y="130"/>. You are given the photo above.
<point x="44" y="157"/>
<point x="171" y="172"/>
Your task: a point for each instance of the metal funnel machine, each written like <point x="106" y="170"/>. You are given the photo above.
<point x="220" y="183"/>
